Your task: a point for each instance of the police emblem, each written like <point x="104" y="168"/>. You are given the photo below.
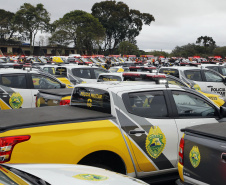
<point x="155" y="142"/>
<point x="90" y="177"/>
<point x="16" y="100"/>
<point x="195" y="156"/>
<point x="89" y="103"/>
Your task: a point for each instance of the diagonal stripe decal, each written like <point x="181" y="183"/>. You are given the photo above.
<point x="128" y="124"/>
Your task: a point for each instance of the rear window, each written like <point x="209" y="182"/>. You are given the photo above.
<point x="91" y="98"/>
<point x="62" y="71"/>
<point x="173" y="72"/>
<point x="103" y="78"/>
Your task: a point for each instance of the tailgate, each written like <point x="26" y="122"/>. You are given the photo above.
<point x="53" y="97"/>
<point x="204" y="159"/>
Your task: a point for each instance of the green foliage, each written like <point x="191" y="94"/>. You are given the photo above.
<point x="158" y="53"/>
<point x="80" y="28"/>
<point x="207" y="42"/>
<point x="120" y="22"/>
<point x="32" y="19"/>
<point x="59" y="38"/>
<point x="189" y="50"/>
<point x="7" y="24"/>
<point x="220" y="51"/>
<point x="127" y="48"/>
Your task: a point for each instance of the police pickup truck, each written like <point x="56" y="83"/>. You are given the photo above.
<point x="205" y="79"/>
<point x="202" y="155"/>
<point x="129" y="128"/>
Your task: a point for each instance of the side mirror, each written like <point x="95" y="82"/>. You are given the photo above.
<point x="222" y="112"/>
<point x="63" y="85"/>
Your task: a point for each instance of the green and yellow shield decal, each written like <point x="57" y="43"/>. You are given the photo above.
<point x="16" y="100"/>
<point x="90" y="177"/>
<point x="195" y="156"/>
<point x="155" y="142"/>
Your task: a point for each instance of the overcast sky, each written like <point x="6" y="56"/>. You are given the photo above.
<point x="177" y="22"/>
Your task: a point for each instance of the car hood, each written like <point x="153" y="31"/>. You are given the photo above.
<point x="59" y="174"/>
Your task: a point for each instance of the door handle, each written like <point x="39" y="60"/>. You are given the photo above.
<point x="133" y="132"/>
<point x="210" y="86"/>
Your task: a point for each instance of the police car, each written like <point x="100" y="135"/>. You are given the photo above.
<point x="77" y="73"/>
<point x="203" y="78"/>
<point x="144" y="76"/>
<point x="58" y="174"/>
<point x="118" y="69"/>
<point x="19" y="87"/>
<point x="219" y="68"/>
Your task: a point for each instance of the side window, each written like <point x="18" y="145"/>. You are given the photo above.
<point x="82" y="73"/>
<point x="175" y="82"/>
<point x="212" y="77"/>
<point x="223" y="71"/>
<point x="193" y="75"/>
<point x="146" y="104"/>
<point x="91" y="98"/>
<point x="14" y="80"/>
<point x="189" y="105"/>
<point x="44" y="82"/>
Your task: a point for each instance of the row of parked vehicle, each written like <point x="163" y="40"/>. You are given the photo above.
<point x="129" y="122"/>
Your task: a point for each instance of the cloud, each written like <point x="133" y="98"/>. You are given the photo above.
<point x="177" y="22"/>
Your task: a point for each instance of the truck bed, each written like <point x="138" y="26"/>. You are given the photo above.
<point x="58" y="92"/>
<point x="215" y="130"/>
<point x="30" y="117"/>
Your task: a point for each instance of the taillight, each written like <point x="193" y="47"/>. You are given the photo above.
<point x="181" y="152"/>
<point x="65" y="102"/>
<point x="7" y="144"/>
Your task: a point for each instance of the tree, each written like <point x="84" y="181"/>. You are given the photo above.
<point x="158" y="53"/>
<point x="31" y="20"/>
<point x="82" y="29"/>
<point x="120" y="22"/>
<point x="127" y="48"/>
<point x="187" y="50"/>
<point x="7" y="24"/>
<point x="220" y="51"/>
<point x="207" y="42"/>
<point x="59" y="38"/>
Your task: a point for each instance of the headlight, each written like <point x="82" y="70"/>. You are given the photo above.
<point x="154" y="71"/>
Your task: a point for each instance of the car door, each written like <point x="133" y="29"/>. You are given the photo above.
<point x="196" y="76"/>
<point x="40" y="81"/>
<point x="152" y="133"/>
<point x="18" y="90"/>
<point x="214" y="82"/>
<point x="191" y="109"/>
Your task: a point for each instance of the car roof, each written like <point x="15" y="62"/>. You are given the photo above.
<point x="182" y="68"/>
<point x="11" y="71"/>
<point x="128" y="86"/>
